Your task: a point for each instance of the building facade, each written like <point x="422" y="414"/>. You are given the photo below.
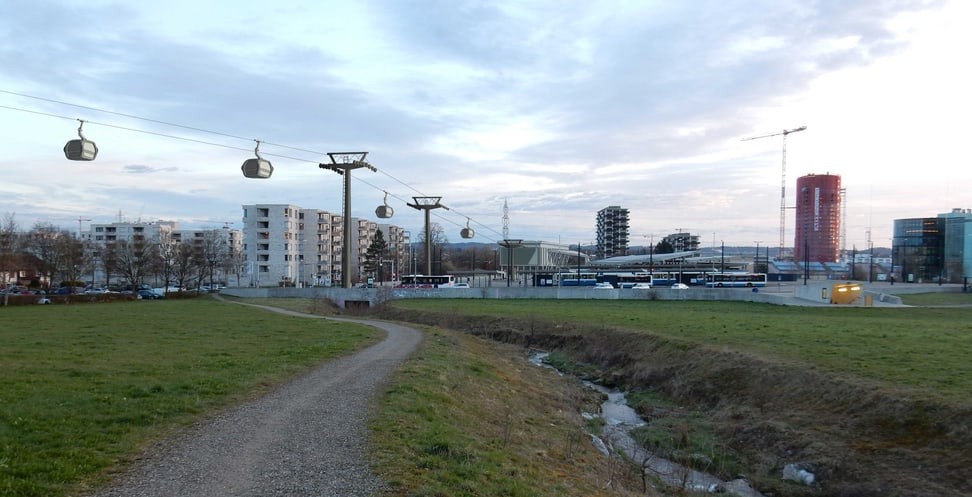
<point x="918" y="248"/>
<point x="818" y="205"/>
<point x="288" y="245"/>
<point x="612" y="232"/>
<point x="682" y="242"/>
<point x="221" y="245"/>
<point x="958" y="244"/>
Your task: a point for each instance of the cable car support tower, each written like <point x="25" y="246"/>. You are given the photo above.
<point x="785" y="132"/>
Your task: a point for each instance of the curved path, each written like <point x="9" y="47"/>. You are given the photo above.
<point x="307" y="437"/>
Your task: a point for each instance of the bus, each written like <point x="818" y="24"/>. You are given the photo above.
<point x="576" y="278"/>
<point x="625" y="279"/>
<point x="721" y="280"/>
<point x="424" y="281"/>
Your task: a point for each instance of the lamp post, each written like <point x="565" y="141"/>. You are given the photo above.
<point x="756" y="262"/>
<point x="407" y="239"/>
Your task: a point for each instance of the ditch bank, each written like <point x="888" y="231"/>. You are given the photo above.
<point x="858" y="439"/>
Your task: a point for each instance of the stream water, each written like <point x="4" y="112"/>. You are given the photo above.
<point x="619" y="419"/>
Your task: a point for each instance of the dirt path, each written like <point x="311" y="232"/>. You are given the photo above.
<point x="307" y="437"/>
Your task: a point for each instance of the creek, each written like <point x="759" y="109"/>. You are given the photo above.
<point x="620" y="419"/>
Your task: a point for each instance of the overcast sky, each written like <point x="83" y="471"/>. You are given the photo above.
<point x="558" y="107"/>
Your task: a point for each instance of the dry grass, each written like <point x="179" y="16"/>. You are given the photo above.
<point x="468" y="416"/>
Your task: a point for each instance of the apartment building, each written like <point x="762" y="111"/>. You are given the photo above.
<point x="612" y="232"/>
<point x="286" y="244"/>
<point x="229" y="241"/>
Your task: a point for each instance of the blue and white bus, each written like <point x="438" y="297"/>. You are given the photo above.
<point x="426" y="281"/>
<point x="735" y="280"/>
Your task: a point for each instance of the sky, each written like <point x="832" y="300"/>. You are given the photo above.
<point x="557" y="108"/>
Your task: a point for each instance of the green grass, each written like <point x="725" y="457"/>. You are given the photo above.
<point x="923" y="349"/>
<point x="936" y="298"/>
<point x="469" y="417"/>
<point x="85" y="387"/>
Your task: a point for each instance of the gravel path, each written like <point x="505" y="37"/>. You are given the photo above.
<point x="306" y="438"/>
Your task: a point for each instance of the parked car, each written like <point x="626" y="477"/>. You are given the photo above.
<point x="149" y="295"/>
<point x="679" y="286"/>
<point x="641" y="286"/>
<point x="604" y="286"/>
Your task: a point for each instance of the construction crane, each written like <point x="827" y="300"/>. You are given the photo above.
<point x="785" y="132"/>
<point x="80" y="219"/>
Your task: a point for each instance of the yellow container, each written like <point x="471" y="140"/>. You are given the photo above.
<point x="845" y="293"/>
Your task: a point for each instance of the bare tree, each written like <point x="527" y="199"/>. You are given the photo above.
<point x="11" y="246"/>
<point x="438" y="240"/>
<point x="234" y="263"/>
<point x="166" y="259"/>
<point x="107" y="255"/>
<point x="42" y="243"/>
<point x="73" y="259"/>
<point x="212" y="252"/>
<point x="185" y="267"/>
<point x="133" y="260"/>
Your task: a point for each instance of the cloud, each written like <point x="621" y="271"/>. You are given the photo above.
<point x="140" y="169"/>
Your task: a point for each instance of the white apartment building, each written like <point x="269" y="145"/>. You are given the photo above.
<point x="101" y="234"/>
<point x="285" y="244"/>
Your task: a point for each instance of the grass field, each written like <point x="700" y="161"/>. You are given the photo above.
<point x="469" y="417"/>
<point x="85" y="387"/>
<point x="923" y="349"/>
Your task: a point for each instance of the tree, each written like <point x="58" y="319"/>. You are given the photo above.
<point x="108" y="257"/>
<point x="134" y="260"/>
<point x="165" y="262"/>
<point x="213" y="251"/>
<point x="438" y="239"/>
<point x="11" y="245"/>
<point x="184" y="267"/>
<point x="664" y="247"/>
<point x="42" y="243"/>
<point x="73" y="259"/>
<point x="375" y="254"/>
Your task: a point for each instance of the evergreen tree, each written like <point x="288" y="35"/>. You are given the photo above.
<point x="375" y="253"/>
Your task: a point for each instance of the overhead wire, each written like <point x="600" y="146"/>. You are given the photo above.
<point x="230" y="147"/>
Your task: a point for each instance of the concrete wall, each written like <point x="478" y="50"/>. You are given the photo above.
<point x="341" y="295"/>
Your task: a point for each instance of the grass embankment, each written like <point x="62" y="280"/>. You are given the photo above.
<point x="874" y="399"/>
<point x="924" y="349"/>
<point x="85" y="387"/>
<point x="469" y="417"/>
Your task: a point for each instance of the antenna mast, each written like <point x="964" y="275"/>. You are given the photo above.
<point x="506" y="220"/>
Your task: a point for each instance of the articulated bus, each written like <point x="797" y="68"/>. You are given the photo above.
<point x="617" y="279"/>
<point x="720" y="280"/>
<point x="423" y="281"/>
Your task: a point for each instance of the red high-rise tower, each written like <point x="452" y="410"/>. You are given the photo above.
<point x="817" y="218"/>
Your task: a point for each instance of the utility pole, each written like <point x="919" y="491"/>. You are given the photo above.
<point x="785" y="133"/>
